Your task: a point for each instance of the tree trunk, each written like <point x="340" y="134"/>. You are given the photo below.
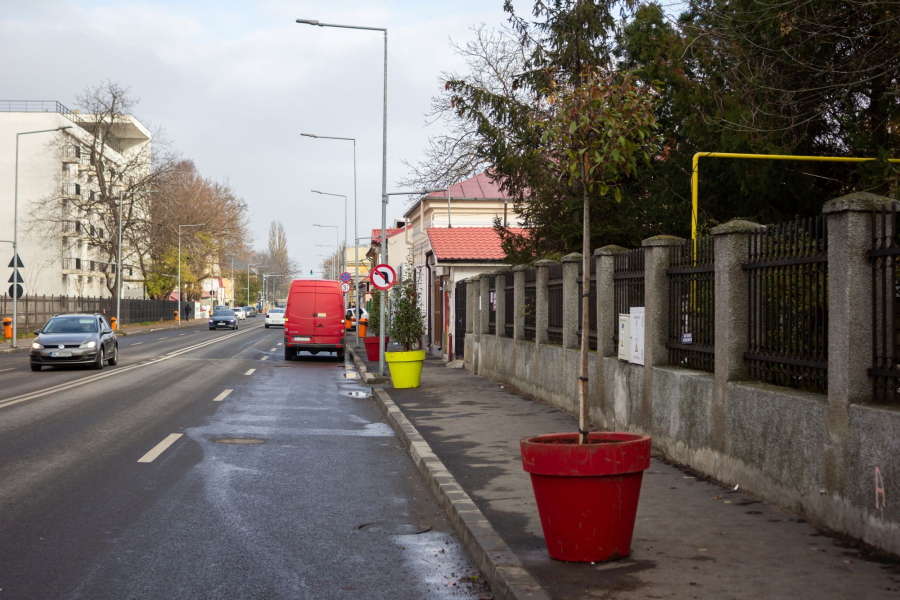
<point x="583" y="417"/>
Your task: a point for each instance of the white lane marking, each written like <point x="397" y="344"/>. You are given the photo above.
<point x="137" y="343"/>
<point x="181" y="334"/>
<point x="279" y="343"/>
<point x="9" y="369"/>
<point x="160" y="448"/>
<point x="164" y="338"/>
<point x="250" y="372"/>
<point x="222" y="396"/>
<point x="264" y="358"/>
<point x="274" y="349"/>
<point x="119" y="370"/>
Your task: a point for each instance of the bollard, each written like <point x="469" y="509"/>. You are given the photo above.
<point x="7" y="328"/>
<point x="114" y="323"/>
<point x="176" y="316"/>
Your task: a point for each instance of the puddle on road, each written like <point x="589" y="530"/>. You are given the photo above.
<point x="240" y="441"/>
<point x="395" y="528"/>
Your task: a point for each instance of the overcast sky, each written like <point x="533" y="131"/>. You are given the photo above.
<point x="234" y="83"/>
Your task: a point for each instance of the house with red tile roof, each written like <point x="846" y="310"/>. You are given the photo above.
<point x="450" y="237"/>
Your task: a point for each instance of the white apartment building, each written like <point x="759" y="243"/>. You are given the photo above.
<point x="56" y="165"/>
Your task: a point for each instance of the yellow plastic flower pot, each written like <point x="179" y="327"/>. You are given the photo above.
<point x="406" y="367"/>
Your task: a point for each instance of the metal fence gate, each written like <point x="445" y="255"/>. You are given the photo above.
<point x="459" y="326"/>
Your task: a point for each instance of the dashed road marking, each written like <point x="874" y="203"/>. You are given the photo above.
<point x="160" y="448"/>
<point x="181" y="334"/>
<point x="250" y="372"/>
<point x="222" y="396"/>
<point x="137" y="343"/>
<point x="9" y="369"/>
<point x="274" y="349"/>
<point x="164" y="338"/>
<point x="279" y="343"/>
<point x="264" y="358"/>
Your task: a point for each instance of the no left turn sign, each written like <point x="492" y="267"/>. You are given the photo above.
<point x="383" y="277"/>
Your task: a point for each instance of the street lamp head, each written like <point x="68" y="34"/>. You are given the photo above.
<point x="312" y="135"/>
<point x="64" y="128"/>
<point x="308" y="22"/>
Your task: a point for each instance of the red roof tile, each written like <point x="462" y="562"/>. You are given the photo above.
<point x="478" y="187"/>
<point x="467" y="243"/>
<point x="376" y="233"/>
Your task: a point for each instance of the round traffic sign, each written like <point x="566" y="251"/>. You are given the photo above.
<point x="16" y="291"/>
<point x="383" y="277"/>
<point x="345" y="277"/>
<point x="345" y="287"/>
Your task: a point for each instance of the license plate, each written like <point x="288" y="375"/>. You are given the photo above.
<point x="61" y="354"/>
<point x="223" y="323"/>
<point x="301" y="338"/>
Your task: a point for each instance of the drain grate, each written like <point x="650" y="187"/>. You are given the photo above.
<point x="351" y="375"/>
<point x="395" y="528"/>
<point x="359" y="394"/>
<point x="240" y="441"/>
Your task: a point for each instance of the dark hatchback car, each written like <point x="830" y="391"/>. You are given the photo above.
<point x="75" y="339"/>
<point x="223" y="318"/>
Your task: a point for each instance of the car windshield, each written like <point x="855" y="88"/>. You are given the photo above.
<point x="277" y="310"/>
<point x="223" y="313"/>
<point x="71" y="325"/>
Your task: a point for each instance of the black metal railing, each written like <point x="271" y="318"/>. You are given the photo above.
<point x="72" y="189"/>
<point x="885" y="260"/>
<point x="34" y="311"/>
<point x="492" y="304"/>
<point x="692" y="305"/>
<point x="628" y="284"/>
<point x="555" y="303"/>
<point x="459" y="335"/>
<point x="57" y="107"/>
<point x="509" y="305"/>
<point x="592" y="301"/>
<point x="529" y="309"/>
<point x="71" y="264"/>
<point x="788" y="322"/>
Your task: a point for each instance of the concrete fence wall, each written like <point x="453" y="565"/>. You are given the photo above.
<point x="833" y="457"/>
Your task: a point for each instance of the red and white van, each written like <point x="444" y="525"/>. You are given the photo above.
<point x="314" y="318"/>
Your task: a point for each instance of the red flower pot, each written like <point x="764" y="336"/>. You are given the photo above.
<point x="372" y="348"/>
<point x="587" y="494"/>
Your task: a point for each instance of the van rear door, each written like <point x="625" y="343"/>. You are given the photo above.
<point x="329" y="315"/>
<point x="301" y="311"/>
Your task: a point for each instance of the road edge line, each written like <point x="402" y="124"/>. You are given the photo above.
<point x="502" y="568"/>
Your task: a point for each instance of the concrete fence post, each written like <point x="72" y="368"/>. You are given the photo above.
<point x="484" y="305"/>
<point x="518" y="272"/>
<point x="850" y="323"/>
<point x="471" y="304"/>
<point x="732" y="315"/>
<point x="542" y="301"/>
<point x="607" y="319"/>
<point x="656" y="315"/>
<point x="571" y="299"/>
<point x="500" y="300"/>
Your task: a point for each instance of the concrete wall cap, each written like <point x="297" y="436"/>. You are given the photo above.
<point x="545" y="263"/>
<point x="735" y="226"/>
<point x="521" y="268"/>
<point x="609" y="250"/>
<point x="503" y="271"/>
<point x="856" y="202"/>
<point x="662" y="240"/>
<point x="574" y="257"/>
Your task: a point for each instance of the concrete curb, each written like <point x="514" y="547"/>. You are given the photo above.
<point x="505" y="574"/>
<point x="368" y="378"/>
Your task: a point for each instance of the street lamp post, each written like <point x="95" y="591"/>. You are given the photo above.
<point x="384" y="198"/>
<point x="355" y="216"/>
<point x="331" y="257"/>
<point x="248" y="278"/>
<point x="180" y="299"/>
<point x="15" y="240"/>
<point x="119" y="259"/>
<point x="265" y="278"/>
<point x="344" y="253"/>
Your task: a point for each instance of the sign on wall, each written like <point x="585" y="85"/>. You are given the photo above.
<point x="636" y="347"/>
<point x="624" y="336"/>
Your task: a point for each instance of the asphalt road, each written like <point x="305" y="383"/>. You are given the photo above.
<point x="205" y="466"/>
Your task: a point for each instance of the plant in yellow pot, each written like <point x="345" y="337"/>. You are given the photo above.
<point x="407" y="328"/>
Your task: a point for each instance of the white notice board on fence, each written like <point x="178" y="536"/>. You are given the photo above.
<point x="636" y="347"/>
<point x="624" y="336"/>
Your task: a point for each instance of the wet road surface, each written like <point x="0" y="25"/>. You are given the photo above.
<point x="204" y="471"/>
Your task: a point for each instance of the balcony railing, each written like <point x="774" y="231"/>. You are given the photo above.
<point x="72" y="264"/>
<point x="54" y="106"/>
<point x="72" y="189"/>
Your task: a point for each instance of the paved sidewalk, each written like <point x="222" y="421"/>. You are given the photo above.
<point x="693" y="539"/>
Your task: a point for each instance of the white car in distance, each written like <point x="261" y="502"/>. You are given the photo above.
<point x="275" y="316"/>
<point x="239" y="311"/>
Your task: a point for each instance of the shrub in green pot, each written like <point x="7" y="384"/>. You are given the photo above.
<point x="407" y="328"/>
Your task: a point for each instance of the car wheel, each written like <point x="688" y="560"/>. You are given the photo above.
<point x="114" y="359"/>
<point x="288" y="354"/>
<point x="100" y="359"/>
<point x="267" y="325"/>
<point x="340" y="355"/>
<point x="35" y="367"/>
<point x="212" y="328"/>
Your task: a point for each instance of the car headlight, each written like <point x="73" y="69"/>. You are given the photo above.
<point x="36" y="346"/>
<point x="88" y="345"/>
